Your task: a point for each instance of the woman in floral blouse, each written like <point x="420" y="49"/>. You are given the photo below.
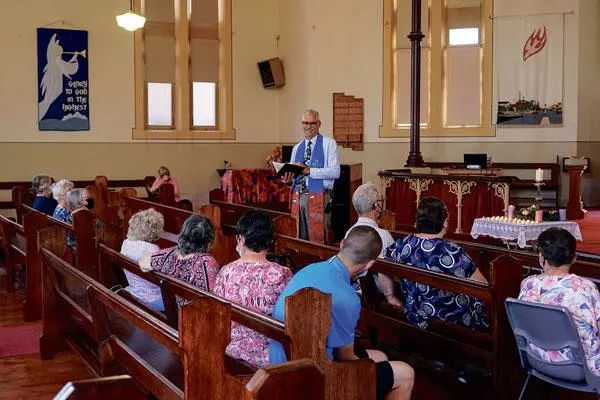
<point x="189" y="261"/>
<point x="253" y="282"/>
<point x="556" y="286"/>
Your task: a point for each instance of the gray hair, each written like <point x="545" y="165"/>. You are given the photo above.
<point x="312" y="112"/>
<point x="60" y="189"/>
<point x="196" y="235"/>
<point x="41" y="183"/>
<point x="75" y="199"/>
<point x="365" y="197"/>
<point x="146" y="225"/>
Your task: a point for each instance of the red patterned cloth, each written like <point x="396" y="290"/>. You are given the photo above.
<point x="249" y="186"/>
<point x="316" y="221"/>
<point x="255" y="286"/>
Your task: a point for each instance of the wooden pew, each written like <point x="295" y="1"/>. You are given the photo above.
<point x="386" y="326"/>
<point x="12" y="239"/>
<point x="173" y="363"/>
<point x="303" y="334"/>
<point x="112" y="387"/>
<point x="286" y="382"/>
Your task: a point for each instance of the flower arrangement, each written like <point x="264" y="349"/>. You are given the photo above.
<point x="274" y="156"/>
<point x="528" y="214"/>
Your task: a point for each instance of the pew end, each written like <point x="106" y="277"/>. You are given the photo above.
<point x="114" y="387"/>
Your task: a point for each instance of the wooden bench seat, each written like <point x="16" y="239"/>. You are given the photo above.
<point x="188" y="362"/>
<point x="386" y="326"/>
<point x="303" y="333"/>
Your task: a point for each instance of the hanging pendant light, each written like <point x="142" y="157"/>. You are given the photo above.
<point x="130" y="20"/>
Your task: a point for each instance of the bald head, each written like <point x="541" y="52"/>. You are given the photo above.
<point x="362" y="245"/>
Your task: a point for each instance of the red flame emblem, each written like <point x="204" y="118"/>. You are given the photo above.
<point x="535" y="43"/>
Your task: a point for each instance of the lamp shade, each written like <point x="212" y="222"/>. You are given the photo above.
<point x="130" y="21"/>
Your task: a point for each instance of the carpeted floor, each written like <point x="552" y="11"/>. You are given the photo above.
<point x="20" y="340"/>
<point x="590" y="230"/>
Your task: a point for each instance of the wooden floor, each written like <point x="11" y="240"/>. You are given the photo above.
<point x="28" y="377"/>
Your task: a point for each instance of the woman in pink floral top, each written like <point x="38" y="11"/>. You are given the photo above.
<point x="253" y="282"/>
<point x="189" y="261"/>
<point x="556" y="286"/>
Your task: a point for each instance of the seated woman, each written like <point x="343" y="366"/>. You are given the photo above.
<point x="427" y="249"/>
<point x="145" y="228"/>
<point x="41" y="186"/>
<point x="189" y="260"/>
<point x="77" y="199"/>
<point x="253" y="282"/>
<point x="59" y="192"/>
<point x="164" y="177"/>
<point x="557" y="287"/>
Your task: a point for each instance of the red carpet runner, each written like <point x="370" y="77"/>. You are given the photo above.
<point x="19" y="340"/>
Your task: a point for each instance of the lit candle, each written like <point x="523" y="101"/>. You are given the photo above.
<point x="539" y="175"/>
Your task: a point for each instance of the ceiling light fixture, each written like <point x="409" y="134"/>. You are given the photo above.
<point x="130" y="20"/>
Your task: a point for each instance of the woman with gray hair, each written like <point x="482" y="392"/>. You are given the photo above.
<point x="59" y="192"/>
<point x="369" y="206"/>
<point x="75" y="199"/>
<point x="145" y="228"/>
<point x="41" y="186"/>
<point x="189" y="260"/>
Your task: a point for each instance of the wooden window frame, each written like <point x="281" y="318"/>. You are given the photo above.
<point x="437" y="85"/>
<point x="182" y="97"/>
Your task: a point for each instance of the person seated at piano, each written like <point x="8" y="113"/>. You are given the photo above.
<point x="394" y="379"/>
<point x="59" y="192"/>
<point x="145" y="228"/>
<point x="164" y="177"/>
<point x="427" y="249"/>
<point x="44" y="202"/>
<point x="369" y="207"/>
<point x="253" y="282"/>
<point x="558" y="287"/>
<point x="189" y="261"/>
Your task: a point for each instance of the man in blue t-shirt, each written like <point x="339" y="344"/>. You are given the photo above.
<point x="395" y="379"/>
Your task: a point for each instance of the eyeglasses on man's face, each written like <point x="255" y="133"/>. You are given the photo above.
<point x="310" y="123"/>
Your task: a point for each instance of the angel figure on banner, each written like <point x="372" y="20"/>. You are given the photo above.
<point x="56" y="67"/>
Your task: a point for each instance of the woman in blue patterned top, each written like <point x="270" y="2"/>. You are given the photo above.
<point x="427" y="249"/>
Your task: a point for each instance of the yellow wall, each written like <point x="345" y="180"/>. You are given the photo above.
<point x="326" y="45"/>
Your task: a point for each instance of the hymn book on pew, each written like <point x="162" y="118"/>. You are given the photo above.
<point x="283" y="168"/>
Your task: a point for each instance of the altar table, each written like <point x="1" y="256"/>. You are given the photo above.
<point x="521" y="233"/>
<point x="466" y="197"/>
<point x="253" y="186"/>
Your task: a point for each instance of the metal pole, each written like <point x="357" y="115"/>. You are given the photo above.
<point x="414" y="156"/>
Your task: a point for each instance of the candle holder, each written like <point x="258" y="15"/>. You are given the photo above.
<point x="538" y="196"/>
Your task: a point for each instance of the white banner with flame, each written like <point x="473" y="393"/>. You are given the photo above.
<point x="528" y="70"/>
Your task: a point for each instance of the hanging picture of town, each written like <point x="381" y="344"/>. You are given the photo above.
<point x="529" y="77"/>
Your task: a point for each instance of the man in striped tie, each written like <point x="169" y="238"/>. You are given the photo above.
<point x="312" y="190"/>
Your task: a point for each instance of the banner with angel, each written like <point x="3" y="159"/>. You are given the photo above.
<point x="528" y="69"/>
<point x="63" y="84"/>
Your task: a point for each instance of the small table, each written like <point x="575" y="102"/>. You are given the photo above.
<point x="519" y="232"/>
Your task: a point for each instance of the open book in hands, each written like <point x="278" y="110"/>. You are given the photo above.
<point x="283" y="168"/>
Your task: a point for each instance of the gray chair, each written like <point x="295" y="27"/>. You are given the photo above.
<point x="550" y="327"/>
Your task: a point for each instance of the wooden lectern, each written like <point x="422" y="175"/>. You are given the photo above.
<point x="575" y="205"/>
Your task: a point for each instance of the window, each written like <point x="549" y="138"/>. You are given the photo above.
<point x="183" y="70"/>
<point x="456" y="69"/>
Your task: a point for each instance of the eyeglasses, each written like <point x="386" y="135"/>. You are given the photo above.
<point x="310" y="123"/>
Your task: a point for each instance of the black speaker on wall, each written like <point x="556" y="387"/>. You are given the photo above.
<point x="271" y="73"/>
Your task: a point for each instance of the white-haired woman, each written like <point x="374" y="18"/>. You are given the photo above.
<point x="41" y="186"/>
<point x="59" y="192"/>
<point x="76" y="200"/>
<point x="145" y="228"/>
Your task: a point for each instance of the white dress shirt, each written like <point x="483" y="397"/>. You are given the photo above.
<point x="331" y="170"/>
<point x="386" y="238"/>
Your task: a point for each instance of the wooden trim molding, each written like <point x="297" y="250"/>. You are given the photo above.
<point x="436" y="76"/>
<point x="183" y="32"/>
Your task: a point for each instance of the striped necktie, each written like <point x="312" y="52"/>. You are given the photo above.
<point x="307" y="155"/>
